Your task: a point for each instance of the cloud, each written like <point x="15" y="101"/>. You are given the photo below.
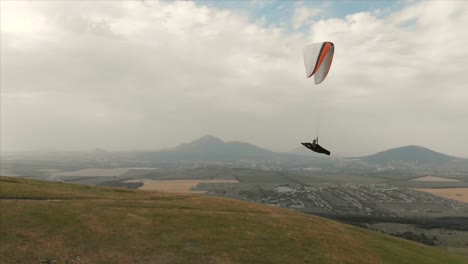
<point x="168" y="67"/>
<point x="408" y="79"/>
<point x="303" y="15"/>
<point x="122" y="75"/>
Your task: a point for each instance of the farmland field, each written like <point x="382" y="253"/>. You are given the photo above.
<point x="93" y="172"/>
<point x="459" y="194"/>
<point x="435" y="179"/>
<point x="175" y="185"/>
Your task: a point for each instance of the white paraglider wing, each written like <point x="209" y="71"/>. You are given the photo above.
<point x="317" y="60"/>
<point x="324" y="68"/>
<point x="311" y="53"/>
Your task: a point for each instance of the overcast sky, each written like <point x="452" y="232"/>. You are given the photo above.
<point x="150" y="75"/>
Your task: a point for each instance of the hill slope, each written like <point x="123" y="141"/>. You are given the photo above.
<point x="210" y="148"/>
<point x="409" y="154"/>
<point x="213" y="144"/>
<point x="46" y="220"/>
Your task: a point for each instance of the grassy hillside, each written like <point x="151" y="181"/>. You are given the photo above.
<point x="83" y="224"/>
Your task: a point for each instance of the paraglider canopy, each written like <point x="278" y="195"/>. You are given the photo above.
<point x="317" y="59"/>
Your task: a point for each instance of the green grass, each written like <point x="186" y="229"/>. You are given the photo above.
<point x="44" y="220"/>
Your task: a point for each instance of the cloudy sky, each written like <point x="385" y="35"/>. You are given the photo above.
<point x="149" y="75"/>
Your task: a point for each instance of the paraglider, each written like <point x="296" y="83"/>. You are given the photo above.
<point x="318" y="58"/>
<point x="314" y="146"/>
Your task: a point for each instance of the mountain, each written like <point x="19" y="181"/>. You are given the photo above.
<point x="409" y="154"/>
<point x="51" y="222"/>
<point x="213" y="144"/>
<point x="208" y="142"/>
<point x="414" y="157"/>
<point x="211" y="148"/>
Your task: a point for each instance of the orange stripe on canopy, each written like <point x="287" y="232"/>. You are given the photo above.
<point x="327" y="47"/>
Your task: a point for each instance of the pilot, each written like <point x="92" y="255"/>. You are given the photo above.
<point x="315" y="142"/>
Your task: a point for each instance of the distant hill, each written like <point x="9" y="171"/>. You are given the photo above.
<point x="418" y="156"/>
<point x="409" y="154"/>
<point x="213" y="144"/>
<point x="211" y="148"/>
<point x="48" y="222"/>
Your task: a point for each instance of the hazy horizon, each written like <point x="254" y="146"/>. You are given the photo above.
<point x="151" y="75"/>
<point x="294" y="150"/>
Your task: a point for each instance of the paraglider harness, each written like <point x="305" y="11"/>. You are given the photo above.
<point x="314" y="146"/>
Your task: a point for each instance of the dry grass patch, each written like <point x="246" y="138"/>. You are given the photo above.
<point x="434" y="179"/>
<point x="175" y="185"/>
<point x="458" y="194"/>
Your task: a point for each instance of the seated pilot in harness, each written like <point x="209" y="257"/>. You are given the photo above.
<point x="314" y="146"/>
